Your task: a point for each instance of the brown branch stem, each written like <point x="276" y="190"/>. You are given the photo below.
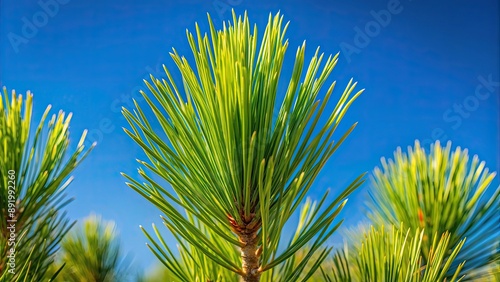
<point x="250" y="257"/>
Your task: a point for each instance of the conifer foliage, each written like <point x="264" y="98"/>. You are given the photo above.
<point x="35" y="164"/>
<point x="238" y="169"/>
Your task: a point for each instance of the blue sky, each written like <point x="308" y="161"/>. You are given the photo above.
<point x="430" y="69"/>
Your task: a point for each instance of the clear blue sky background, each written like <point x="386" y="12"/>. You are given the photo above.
<point x="421" y="69"/>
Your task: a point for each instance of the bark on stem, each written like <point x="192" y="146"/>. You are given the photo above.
<point x="249" y="257"/>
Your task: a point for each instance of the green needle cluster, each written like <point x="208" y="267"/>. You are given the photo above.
<point x="42" y="164"/>
<point x="235" y="165"/>
<point x="441" y="191"/>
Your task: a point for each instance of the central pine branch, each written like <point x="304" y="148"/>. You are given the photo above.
<point x="250" y="256"/>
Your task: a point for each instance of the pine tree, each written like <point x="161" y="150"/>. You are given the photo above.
<point x="450" y="218"/>
<point x="237" y="169"/>
<point x="34" y="172"/>
<point x="91" y="252"/>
